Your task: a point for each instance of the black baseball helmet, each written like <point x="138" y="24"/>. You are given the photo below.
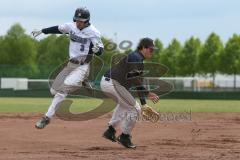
<point x="81" y="14"/>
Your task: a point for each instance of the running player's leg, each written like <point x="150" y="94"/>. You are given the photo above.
<point x="71" y="83"/>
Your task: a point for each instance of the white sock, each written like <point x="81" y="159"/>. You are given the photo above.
<point x="54" y="106"/>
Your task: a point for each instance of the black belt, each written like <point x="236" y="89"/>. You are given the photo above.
<point x="75" y="61"/>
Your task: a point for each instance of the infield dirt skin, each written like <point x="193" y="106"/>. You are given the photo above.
<point x="206" y="136"/>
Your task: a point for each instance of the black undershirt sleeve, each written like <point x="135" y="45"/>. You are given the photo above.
<point x="51" y="30"/>
<point x="143" y="101"/>
<point x="143" y="92"/>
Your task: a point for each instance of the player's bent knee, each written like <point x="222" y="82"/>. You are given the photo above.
<point x="53" y="91"/>
<point x="68" y="89"/>
<point x="68" y="82"/>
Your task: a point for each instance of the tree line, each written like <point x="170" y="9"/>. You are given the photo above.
<point x="23" y="56"/>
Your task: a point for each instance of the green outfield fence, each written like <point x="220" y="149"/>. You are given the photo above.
<point x="172" y="95"/>
<point x="184" y="88"/>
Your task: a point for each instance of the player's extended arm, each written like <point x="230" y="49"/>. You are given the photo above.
<point x="148" y="113"/>
<point x="50" y="30"/>
<point x="143" y="92"/>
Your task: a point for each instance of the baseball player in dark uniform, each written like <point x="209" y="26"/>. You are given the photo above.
<point x="85" y="40"/>
<point x="116" y="84"/>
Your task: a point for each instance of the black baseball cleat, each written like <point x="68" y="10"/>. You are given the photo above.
<point x="125" y="140"/>
<point x="42" y="122"/>
<point x="110" y="134"/>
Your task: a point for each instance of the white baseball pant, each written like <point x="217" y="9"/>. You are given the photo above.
<point x="71" y="78"/>
<point x="127" y="110"/>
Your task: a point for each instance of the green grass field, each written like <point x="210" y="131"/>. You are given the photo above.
<point x="40" y="105"/>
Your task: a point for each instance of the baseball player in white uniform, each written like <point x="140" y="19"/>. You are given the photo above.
<point x="85" y="40"/>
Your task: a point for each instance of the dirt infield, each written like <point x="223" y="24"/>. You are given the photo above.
<point x="206" y="136"/>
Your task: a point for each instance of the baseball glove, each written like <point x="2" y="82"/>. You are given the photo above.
<point x="149" y="114"/>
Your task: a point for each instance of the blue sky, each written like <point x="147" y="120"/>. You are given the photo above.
<point x="131" y="19"/>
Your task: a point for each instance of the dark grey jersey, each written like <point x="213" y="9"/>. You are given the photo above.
<point x="128" y="72"/>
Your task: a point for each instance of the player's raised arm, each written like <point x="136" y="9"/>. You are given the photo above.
<point x="97" y="47"/>
<point x="50" y="30"/>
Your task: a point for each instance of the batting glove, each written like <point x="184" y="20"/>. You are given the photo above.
<point x="96" y="48"/>
<point x="36" y="33"/>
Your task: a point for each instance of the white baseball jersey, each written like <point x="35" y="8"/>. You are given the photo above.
<point x="80" y="40"/>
